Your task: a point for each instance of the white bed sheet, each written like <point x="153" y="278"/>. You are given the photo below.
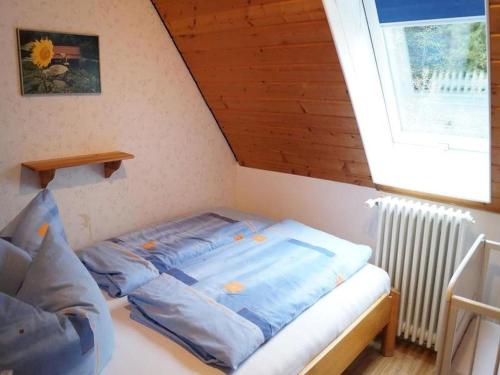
<point x="140" y="350"/>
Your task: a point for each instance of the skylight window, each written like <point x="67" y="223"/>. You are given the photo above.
<point x="418" y="78"/>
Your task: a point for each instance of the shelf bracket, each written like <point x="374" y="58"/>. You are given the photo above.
<point x="110" y="167"/>
<point x="46" y="177"/>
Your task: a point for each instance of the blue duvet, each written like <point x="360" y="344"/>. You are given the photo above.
<point x="124" y="263"/>
<point x="225" y="303"/>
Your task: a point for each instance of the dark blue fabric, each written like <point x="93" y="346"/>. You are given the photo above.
<point x="411" y="10"/>
<point x="181" y="276"/>
<point x="81" y="324"/>
<point x="264" y="326"/>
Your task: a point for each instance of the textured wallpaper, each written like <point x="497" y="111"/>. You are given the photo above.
<point x="149" y="106"/>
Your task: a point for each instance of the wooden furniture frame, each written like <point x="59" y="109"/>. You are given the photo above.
<point x="382" y="316"/>
<point x="464" y="290"/>
<point x="47" y="168"/>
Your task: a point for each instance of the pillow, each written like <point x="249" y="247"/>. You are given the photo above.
<point x="57" y="282"/>
<point x="33" y="341"/>
<point x="14" y="263"/>
<point x="28" y="229"/>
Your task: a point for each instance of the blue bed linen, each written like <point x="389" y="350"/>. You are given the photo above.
<point x="59" y="322"/>
<point x="343" y="248"/>
<point x="224" y="333"/>
<point x="121" y="264"/>
<point x="14" y="263"/>
<point x="27" y="230"/>
<point x="34" y="341"/>
<point x="267" y="279"/>
<point x="117" y="269"/>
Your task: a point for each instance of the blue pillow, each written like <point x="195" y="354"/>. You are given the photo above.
<point x="28" y="229"/>
<point x="14" y="263"/>
<point x="33" y="341"/>
<point x="57" y="282"/>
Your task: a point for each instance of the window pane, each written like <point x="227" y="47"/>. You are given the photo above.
<point x="439" y="74"/>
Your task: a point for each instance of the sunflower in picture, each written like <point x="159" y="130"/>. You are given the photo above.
<point x="42" y="52"/>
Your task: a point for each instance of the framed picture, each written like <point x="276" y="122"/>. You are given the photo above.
<point x="58" y="63"/>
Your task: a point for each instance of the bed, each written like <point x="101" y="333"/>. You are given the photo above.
<point x="142" y="350"/>
<point x="325" y="338"/>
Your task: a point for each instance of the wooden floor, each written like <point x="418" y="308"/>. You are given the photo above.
<point x="408" y="359"/>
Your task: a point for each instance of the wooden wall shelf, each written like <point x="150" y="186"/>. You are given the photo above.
<point x="47" y="168"/>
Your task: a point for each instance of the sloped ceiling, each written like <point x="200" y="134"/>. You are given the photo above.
<point x="270" y="74"/>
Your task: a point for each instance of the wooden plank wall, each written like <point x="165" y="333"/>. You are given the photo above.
<point x="494" y="11"/>
<point x="269" y="72"/>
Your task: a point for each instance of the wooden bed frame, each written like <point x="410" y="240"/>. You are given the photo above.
<point x="381" y="316"/>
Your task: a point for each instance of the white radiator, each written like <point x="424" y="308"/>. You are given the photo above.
<point x="420" y="245"/>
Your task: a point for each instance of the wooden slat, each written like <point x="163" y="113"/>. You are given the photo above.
<point x="495" y="155"/>
<point x="495" y="191"/>
<point x="495" y="19"/>
<point x="310" y="162"/>
<point x="318" y="136"/>
<point x="330" y="108"/>
<point x="495" y="47"/>
<point x="312" y="107"/>
<point x="282" y="90"/>
<point x="315" y="53"/>
<point x="290" y="73"/>
<point x="409" y="359"/>
<point x="301" y="171"/>
<point x="331" y="166"/>
<point x="179" y="9"/>
<point x="495" y="95"/>
<point x="290" y="157"/>
<point x="258" y="145"/>
<point x="495" y="72"/>
<point x="239" y="119"/>
<point x="495" y="117"/>
<point x="250" y="16"/>
<point x="495" y="137"/>
<point x="495" y="173"/>
<point x="262" y="36"/>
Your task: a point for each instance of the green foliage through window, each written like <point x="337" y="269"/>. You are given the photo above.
<point x="455" y="47"/>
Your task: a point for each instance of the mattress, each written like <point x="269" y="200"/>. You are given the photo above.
<point x="140" y="350"/>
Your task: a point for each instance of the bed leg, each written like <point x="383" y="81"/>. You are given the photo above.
<point x="389" y="333"/>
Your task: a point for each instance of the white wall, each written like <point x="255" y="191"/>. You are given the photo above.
<point x="334" y="207"/>
<point x="149" y="106"/>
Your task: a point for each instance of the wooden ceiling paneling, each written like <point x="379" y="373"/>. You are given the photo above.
<point x="494" y="13"/>
<point x="269" y="72"/>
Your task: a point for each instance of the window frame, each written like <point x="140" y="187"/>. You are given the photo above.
<point x="435" y="170"/>
<point x="440" y="141"/>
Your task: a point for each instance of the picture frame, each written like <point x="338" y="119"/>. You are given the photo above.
<point x="52" y="63"/>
